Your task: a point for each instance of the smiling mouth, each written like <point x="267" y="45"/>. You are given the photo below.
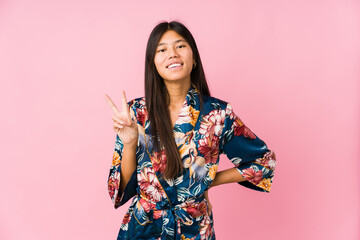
<point x="174" y="65"/>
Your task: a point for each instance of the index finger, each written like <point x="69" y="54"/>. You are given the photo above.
<point x="112" y="104"/>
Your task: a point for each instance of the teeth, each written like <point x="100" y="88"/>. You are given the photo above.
<point x="174" y="65"/>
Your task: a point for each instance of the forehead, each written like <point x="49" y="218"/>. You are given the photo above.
<point x="169" y="37"/>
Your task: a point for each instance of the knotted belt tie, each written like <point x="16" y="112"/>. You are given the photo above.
<point x="175" y="214"/>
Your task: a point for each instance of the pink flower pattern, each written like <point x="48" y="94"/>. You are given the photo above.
<point x="252" y="176"/>
<point x="241" y="130"/>
<point x="150" y="186"/>
<point x="142" y="115"/>
<point x="209" y="148"/>
<point x="159" y="161"/>
<point x="205" y="228"/>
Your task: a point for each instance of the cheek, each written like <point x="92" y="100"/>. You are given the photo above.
<point x="158" y="62"/>
<point x="189" y="57"/>
<point x="157" y="65"/>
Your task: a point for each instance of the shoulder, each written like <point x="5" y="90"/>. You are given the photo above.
<point x="137" y="103"/>
<point x="138" y="109"/>
<point x="215" y="103"/>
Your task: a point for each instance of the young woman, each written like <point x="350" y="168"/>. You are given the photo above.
<point x="168" y="145"/>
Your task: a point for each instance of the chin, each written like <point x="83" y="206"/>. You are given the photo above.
<point x="176" y="78"/>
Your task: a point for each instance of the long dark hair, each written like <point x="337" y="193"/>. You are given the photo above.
<point x="157" y="97"/>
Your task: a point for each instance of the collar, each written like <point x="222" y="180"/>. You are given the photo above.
<point x="189" y="111"/>
<point x="186" y="120"/>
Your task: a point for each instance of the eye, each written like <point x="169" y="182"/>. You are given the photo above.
<point x="161" y="50"/>
<point x="181" y="46"/>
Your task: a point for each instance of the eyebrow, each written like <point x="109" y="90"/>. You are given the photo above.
<point x="179" y="40"/>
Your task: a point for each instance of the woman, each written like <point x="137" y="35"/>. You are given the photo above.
<point x="168" y="145"/>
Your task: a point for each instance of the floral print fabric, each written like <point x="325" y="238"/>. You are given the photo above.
<point x="176" y="209"/>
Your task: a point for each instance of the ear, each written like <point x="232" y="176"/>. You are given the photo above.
<point x="194" y="65"/>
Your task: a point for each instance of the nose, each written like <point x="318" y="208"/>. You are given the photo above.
<point x="173" y="53"/>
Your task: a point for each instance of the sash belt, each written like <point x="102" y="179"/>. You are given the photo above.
<point x="175" y="215"/>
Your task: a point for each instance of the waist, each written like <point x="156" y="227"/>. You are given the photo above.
<point x="166" y="204"/>
<point x="184" y="211"/>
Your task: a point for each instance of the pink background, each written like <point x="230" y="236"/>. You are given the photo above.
<point x="289" y="68"/>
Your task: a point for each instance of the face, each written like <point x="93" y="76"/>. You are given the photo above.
<point x="174" y="57"/>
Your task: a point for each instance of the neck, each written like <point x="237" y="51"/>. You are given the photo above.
<point x="177" y="92"/>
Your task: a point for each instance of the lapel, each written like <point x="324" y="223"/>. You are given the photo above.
<point x="186" y="121"/>
<point x="183" y="132"/>
<point x="189" y="112"/>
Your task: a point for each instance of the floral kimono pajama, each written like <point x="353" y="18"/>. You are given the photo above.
<point x="176" y="209"/>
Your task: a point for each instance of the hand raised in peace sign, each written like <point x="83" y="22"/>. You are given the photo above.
<point x="124" y="126"/>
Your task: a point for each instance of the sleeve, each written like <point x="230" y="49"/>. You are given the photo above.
<point x="250" y="155"/>
<point x="117" y="196"/>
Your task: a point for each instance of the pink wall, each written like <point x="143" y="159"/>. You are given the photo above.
<point x="289" y="68"/>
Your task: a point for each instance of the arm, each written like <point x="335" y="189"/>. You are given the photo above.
<point x="128" y="164"/>
<point x="122" y="177"/>
<point x="227" y="176"/>
<point x="250" y="155"/>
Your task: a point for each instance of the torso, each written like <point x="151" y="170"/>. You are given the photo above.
<point x="174" y="114"/>
<point x="200" y="134"/>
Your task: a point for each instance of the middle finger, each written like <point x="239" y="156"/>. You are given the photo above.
<point x="117" y="119"/>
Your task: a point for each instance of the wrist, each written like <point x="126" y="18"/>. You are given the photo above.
<point x="131" y="145"/>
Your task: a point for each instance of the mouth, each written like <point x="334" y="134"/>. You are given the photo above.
<point x="174" y="65"/>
